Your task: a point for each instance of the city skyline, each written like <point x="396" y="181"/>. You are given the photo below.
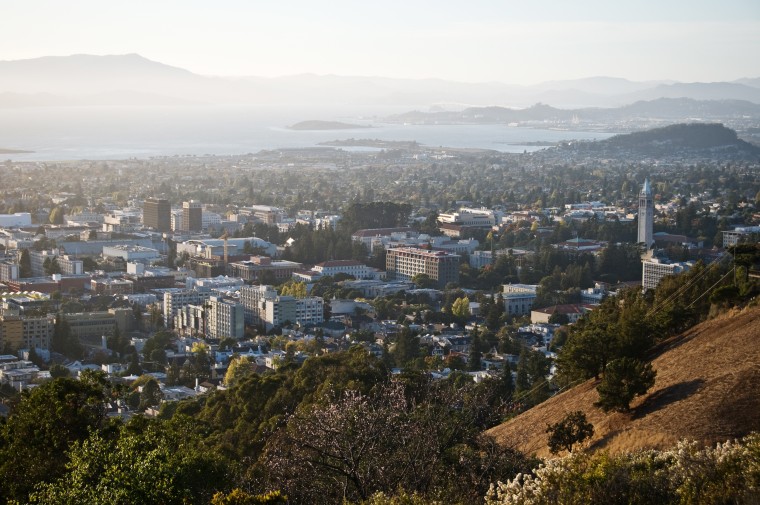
<point x="481" y="42"/>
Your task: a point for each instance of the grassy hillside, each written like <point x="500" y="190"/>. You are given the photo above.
<point x="706" y="390"/>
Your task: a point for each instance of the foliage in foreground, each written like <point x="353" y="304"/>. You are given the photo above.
<point x="687" y="474"/>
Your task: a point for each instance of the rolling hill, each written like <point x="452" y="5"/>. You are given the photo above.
<point x="705" y="390"/>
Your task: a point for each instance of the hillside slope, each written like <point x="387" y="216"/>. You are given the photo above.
<point x="706" y="390"/>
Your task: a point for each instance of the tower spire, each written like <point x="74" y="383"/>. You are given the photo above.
<point x="646" y="215"/>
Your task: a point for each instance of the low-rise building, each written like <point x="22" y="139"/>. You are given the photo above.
<point x="107" y="286"/>
<point x="572" y="311"/>
<point x="349" y="267"/>
<point x="518" y="298"/>
<point x="252" y="270"/>
<point x="19" y="331"/>
<point x="740" y="234"/>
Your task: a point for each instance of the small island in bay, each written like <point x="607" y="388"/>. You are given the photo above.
<point x="14" y="151"/>
<point x="382" y="144"/>
<point x="325" y="125"/>
<point x="534" y="143"/>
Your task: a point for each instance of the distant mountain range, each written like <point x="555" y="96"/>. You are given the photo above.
<point x="663" y="109"/>
<point x="134" y="80"/>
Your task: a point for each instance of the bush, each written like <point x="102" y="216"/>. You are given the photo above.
<point x="729" y="473"/>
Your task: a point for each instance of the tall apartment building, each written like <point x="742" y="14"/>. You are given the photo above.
<point x="646" y="216"/>
<point x="225" y="318"/>
<point x="192" y="216"/>
<point x="403" y="263"/>
<point x="157" y="214"/>
<point x="175" y="299"/>
<point x="252" y="298"/>
<point x="8" y="271"/>
<point x="263" y="307"/>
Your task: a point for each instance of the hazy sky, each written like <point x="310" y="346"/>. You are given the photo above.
<point x="521" y="42"/>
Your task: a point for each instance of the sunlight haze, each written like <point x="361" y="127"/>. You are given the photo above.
<point x="481" y="41"/>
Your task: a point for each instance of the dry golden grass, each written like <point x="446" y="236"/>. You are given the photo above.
<point x="707" y="389"/>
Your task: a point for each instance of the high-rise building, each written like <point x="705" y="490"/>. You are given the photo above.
<point x="192" y="216"/>
<point x="654" y="268"/>
<point x="403" y="263"/>
<point x="646" y="216"/>
<point x="225" y="318"/>
<point x="157" y="214"/>
<point x="263" y="306"/>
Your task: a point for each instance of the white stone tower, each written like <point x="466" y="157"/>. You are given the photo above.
<point x="646" y="215"/>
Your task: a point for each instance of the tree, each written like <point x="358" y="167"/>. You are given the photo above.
<point x="64" y="341"/>
<point x="56" y="216"/>
<point x="238" y="368"/>
<point x="151" y="395"/>
<point x="407" y="347"/>
<point x="423" y="281"/>
<point x="57" y="371"/>
<point x="145" y="461"/>
<point x="25" y="264"/>
<point x="474" y="358"/>
<point x="461" y="308"/>
<point x="134" y="365"/>
<point x="294" y="289"/>
<point x="624" y="379"/>
<point x="51" y="266"/>
<point x="572" y="429"/>
<point x="42" y="427"/>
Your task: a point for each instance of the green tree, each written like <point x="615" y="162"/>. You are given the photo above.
<point x="624" y="379"/>
<point x="64" y="341"/>
<point x="573" y="429"/>
<point x="423" y="281"/>
<point x="151" y="395"/>
<point x="56" y="216"/>
<point x="57" y="371"/>
<point x="461" y="308"/>
<point x="51" y="266"/>
<point x="41" y="429"/>
<point x="294" y="289"/>
<point x="474" y="357"/>
<point x="407" y="347"/>
<point x="134" y="365"/>
<point x="148" y="462"/>
<point x="25" y="264"/>
<point x="238" y="368"/>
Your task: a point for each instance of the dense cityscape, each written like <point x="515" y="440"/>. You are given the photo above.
<point x="409" y="253"/>
<point x="175" y="278"/>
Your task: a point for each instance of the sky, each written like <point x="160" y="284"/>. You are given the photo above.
<point x="516" y="42"/>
